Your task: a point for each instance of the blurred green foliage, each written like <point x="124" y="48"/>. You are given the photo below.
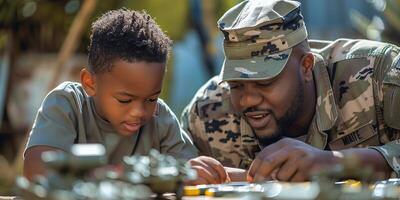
<point x="171" y="16"/>
<point x="36" y="25"/>
<point x="42" y="25"/>
<point x="383" y="27"/>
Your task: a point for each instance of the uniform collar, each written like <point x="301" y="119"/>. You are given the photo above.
<point x="326" y="112"/>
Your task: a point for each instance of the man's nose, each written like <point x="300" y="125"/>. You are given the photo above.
<point x="250" y="98"/>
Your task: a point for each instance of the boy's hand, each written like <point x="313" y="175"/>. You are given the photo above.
<point x="33" y="164"/>
<point x="209" y="171"/>
<point x="288" y="160"/>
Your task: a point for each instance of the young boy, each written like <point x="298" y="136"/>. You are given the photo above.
<point x="118" y="95"/>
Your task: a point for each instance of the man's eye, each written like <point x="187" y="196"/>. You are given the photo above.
<point x="234" y="86"/>
<point x="264" y="83"/>
<point x="151" y="100"/>
<point x="124" y="101"/>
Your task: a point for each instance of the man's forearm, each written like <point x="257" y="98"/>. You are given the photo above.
<point x="369" y="157"/>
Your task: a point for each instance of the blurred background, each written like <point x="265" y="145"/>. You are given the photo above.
<point x="44" y="42"/>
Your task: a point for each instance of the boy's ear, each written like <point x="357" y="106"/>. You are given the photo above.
<point x="88" y="81"/>
<point x="307" y="63"/>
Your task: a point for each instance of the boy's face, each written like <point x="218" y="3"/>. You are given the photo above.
<point x="127" y="95"/>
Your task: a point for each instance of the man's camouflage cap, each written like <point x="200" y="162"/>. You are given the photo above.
<point x="259" y="36"/>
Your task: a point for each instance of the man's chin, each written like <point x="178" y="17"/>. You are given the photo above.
<point x="267" y="137"/>
<point x="265" y="133"/>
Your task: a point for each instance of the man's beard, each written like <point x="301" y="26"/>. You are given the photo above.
<point x="286" y="120"/>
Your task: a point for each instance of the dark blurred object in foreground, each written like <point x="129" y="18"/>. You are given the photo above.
<point x="83" y="174"/>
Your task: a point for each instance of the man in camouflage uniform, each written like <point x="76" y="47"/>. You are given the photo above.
<point x="280" y="109"/>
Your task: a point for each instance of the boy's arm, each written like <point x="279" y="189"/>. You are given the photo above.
<point x="54" y="129"/>
<point x="174" y="140"/>
<point x="33" y="164"/>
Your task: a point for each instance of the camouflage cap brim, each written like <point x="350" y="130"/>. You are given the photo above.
<point x="258" y="38"/>
<point x="255" y="68"/>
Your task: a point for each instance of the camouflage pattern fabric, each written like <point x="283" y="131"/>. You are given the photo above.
<point x="358" y="105"/>
<point x="260" y="32"/>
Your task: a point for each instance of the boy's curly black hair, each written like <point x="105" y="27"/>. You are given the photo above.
<point x="126" y="34"/>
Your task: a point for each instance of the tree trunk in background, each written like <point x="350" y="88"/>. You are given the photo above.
<point x="72" y="40"/>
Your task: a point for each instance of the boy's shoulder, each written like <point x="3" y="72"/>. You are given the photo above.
<point x="57" y="117"/>
<point x="163" y="111"/>
<point x="67" y="94"/>
<point x="69" y="88"/>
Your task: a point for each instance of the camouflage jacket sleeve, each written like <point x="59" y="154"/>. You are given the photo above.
<point x="217" y="131"/>
<point x="188" y="122"/>
<point x="387" y="87"/>
<point x="193" y="116"/>
<point x="188" y="118"/>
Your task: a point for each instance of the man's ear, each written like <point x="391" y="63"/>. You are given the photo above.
<point x="88" y="81"/>
<point x="307" y="63"/>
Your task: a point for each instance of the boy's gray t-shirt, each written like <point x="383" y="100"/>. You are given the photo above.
<point x="67" y="116"/>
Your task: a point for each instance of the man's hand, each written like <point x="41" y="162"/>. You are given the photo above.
<point x="209" y="171"/>
<point x="288" y="160"/>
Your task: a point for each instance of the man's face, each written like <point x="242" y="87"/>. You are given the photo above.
<point x="127" y="95"/>
<point x="270" y="107"/>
